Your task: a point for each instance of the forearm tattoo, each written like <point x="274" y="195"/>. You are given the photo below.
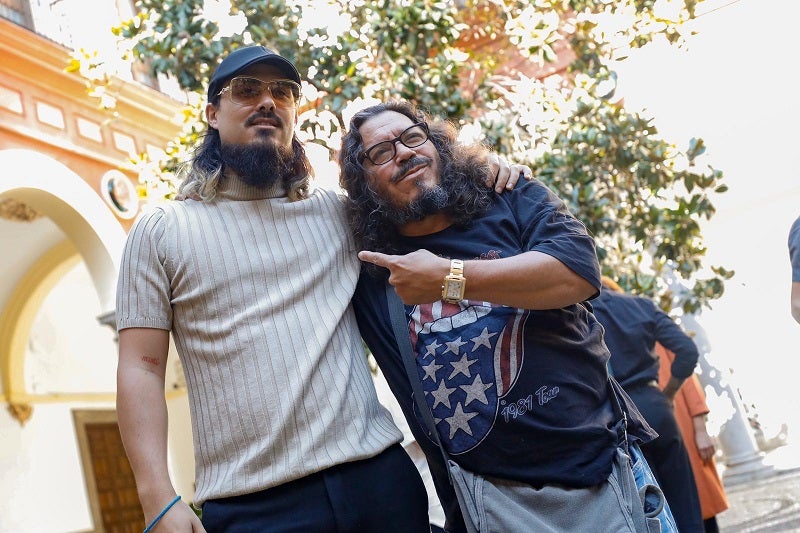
<point x="150" y="360"/>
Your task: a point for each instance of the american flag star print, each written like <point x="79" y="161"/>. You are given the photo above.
<point x="468" y="356"/>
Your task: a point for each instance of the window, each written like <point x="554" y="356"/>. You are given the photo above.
<point x="17" y="11"/>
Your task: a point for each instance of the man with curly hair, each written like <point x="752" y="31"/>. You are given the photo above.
<point x="509" y="355"/>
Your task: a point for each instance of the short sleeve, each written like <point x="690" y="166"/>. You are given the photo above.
<point x="143" y="287"/>
<point x="547" y="226"/>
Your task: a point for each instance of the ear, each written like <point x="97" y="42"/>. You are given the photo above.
<point x="211" y="115"/>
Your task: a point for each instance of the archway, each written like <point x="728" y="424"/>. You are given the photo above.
<point x="91" y="233"/>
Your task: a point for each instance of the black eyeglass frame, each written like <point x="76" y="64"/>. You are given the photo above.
<point x="393" y="143"/>
<point x="296" y="88"/>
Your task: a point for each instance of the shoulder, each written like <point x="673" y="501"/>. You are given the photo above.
<point x="163" y="213"/>
<point x="149" y="219"/>
<point x="327" y="191"/>
<point x="534" y="189"/>
<point x="331" y="196"/>
<point x="171" y="215"/>
<point x="532" y="200"/>
<point x="794" y="233"/>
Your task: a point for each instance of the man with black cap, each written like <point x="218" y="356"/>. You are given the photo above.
<point x="252" y="275"/>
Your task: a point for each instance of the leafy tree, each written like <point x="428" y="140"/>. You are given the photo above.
<point x="640" y="196"/>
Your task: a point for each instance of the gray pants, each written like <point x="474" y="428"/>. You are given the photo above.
<point x="505" y="506"/>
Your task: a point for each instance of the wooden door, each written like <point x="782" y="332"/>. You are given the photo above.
<point x="109" y="478"/>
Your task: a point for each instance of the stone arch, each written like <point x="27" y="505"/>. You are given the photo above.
<point x="92" y="233"/>
<point x="56" y="191"/>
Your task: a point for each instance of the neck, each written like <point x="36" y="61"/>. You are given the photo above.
<point x="232" y="187"/>
<point x="426" y="226"/>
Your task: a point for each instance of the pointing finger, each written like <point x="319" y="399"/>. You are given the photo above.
<point x="376" y="258"/>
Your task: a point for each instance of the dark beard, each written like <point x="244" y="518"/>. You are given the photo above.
<point x="260" y="165"/>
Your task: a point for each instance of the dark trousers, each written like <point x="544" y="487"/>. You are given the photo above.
<point x="381" y="494"/>
<point x="668" y="458"/>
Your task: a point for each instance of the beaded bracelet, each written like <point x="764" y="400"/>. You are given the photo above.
<point x="161" y="514"/>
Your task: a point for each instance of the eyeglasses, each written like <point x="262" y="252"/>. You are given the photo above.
<point x="384" y="151"/>
<point x="245" y="90"/>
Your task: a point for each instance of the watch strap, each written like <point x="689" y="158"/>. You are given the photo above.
<point x="456" y="267"/>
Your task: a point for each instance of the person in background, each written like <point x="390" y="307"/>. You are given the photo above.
<point x="690" y="413"/>
<point x="794" y="257"/>
<point x="632" y="326"/>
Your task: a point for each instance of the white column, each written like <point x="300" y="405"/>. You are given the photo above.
<point x="742" y="458"/>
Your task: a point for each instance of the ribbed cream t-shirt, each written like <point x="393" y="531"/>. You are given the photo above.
<point x="256" y="292"/>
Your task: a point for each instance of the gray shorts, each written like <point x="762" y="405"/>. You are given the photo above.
<point x="505" y="506"/>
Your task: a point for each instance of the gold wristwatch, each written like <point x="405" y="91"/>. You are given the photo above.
<point x="454" y="282"/>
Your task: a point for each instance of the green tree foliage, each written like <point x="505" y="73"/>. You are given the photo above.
<point x="640" y="196"/>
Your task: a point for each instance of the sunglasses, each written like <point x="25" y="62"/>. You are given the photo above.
<point x="245" y="90"/>
<point x="384" y="151"/>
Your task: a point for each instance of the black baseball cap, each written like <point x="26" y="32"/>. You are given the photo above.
<point x="240" y="59"/>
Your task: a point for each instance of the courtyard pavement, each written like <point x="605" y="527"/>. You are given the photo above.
<point x="770" y="503"/>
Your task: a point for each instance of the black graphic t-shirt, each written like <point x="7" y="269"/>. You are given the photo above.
<point x="515" y="393"/>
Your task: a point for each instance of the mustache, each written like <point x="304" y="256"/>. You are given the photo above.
<point x="261" y="115"/>
<point x="408" y="165"/>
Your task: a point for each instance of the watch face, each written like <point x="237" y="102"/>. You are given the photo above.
<point x="453" y="290"/>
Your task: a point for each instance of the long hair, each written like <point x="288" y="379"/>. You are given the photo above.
<point x="202" y="172"/>
<point x="464" y="169"/>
